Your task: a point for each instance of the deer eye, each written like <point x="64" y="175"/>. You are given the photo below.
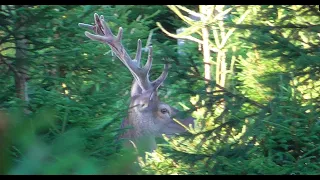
<point x="164" y="110"/>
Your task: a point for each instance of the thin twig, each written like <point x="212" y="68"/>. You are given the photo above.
<point x="184" y="37"/>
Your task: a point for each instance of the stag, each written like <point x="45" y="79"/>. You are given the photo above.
<point x="147" y="115"/>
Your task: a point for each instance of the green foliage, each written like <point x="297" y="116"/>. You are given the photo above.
<point x="270" y="124"/>
<point x="265" y="120"/>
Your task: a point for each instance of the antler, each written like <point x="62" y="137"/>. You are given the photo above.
<point x="140" y="74"/>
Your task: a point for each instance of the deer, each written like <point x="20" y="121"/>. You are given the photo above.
<point x="147" y="115"/>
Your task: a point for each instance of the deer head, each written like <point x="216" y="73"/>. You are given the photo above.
<point x="147" y="115"/>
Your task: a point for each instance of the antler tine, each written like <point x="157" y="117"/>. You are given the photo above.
<point x="102" y="26"/>
<point x="86" y="26"/>
<point x="138" y="54"/>
<point x="105" y="35"/>
<point x="148" y="64"/>
<point x="119" y="35"/>
<point x="156" y="83"/>
<point x="102" y="17"/>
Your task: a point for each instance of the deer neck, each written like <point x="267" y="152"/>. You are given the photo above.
<point x="142" y="132"/>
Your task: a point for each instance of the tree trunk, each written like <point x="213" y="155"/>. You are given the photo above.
<point x="205" y="47"/>
<point x="21" y="77"/>
<point x="21" y="61"/>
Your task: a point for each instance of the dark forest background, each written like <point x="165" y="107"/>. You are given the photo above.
<point x="248" y="74"/>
